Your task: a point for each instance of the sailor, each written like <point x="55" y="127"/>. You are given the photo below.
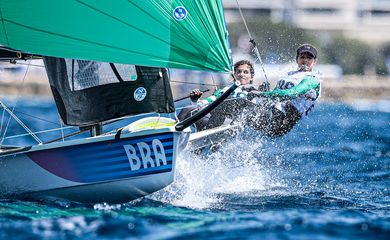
<point x="293" y="97"/>
<point x="243" y="72"/>
<point x="275" y="112"/>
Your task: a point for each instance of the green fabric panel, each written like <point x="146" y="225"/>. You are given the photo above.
<point x="307" y="83"/>
<point x="3" y="38"/>
<point x="123" y="31"/>
<point x="203" y="29"/>
<point x="218" y="93"/>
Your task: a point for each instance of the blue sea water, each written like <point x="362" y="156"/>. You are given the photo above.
<point x="327" y="179"/>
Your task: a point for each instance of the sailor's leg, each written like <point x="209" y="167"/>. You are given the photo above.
<point x="187" y="112"/>
<point x="259" y="117"/>
<point x="283" y="122"/>
<point x="191" y="110"/>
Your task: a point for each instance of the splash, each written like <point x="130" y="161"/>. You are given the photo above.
<point x="201" y="179"/>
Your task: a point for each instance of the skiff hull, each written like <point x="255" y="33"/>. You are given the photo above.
<point x="110" y="168"/>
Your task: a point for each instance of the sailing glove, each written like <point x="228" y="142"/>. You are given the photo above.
<point x="248" y="88"/>
<point x="264" y="87"/>
<point x="195" y="95"/>
<point x="252" y="94"/>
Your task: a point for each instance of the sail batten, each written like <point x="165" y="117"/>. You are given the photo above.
<point x="160" y="33"/>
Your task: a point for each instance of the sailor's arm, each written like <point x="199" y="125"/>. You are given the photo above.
<point x="308" y="83"/>
<point x="212" y="98"/>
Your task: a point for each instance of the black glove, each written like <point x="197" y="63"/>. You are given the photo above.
<point x="252" y="94"/>
<point x="195" y="95"/>
<point x="264" y="87"/>
<point x="248" y="88"/>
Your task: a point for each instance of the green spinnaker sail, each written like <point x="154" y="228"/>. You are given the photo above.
<point x="187" y="34"/>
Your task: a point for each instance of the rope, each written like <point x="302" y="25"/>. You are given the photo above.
<point x="38" y="132"/>
<point x="18" y="121"/>
<point x="13" y="108"/>
<point x="27" y="64"/>
<point x="255" y="49"/>
<point x="202" y="84"/>
<point x="2" y="120"/>
<point x="215" y="85"/>
<point x="38" y="118"/>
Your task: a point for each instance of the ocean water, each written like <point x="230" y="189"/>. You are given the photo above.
<point x="327" y="179"/>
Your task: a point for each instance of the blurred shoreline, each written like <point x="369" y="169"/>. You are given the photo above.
<point x="346" y="89"/>
<point x="354" y="87"/>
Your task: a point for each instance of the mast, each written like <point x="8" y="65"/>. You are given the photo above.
<point x="96" y="130"/>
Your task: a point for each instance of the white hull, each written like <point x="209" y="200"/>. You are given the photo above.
<point x="210" y="138"/>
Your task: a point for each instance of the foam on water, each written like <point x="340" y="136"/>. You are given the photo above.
<point x="200" y="180"/>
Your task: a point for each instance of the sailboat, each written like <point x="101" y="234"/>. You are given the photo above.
<point x="105" y="61"/>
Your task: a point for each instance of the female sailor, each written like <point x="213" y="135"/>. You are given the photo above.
<point x="293" y="97"/>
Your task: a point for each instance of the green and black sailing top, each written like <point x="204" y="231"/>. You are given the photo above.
<point x="302" y="89"/>
<point x="238" y="93"/>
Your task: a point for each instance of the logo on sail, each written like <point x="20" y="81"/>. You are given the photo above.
<point x="180" y="13"/>
<point x="140" y="94"/>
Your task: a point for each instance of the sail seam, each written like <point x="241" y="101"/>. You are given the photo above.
<point x="173" y="46"/>
<point x="5" y="32"/>
<point x="78" y="39"/>
<point x="119" y="20"/>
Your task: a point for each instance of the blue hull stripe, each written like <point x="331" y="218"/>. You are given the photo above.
<point x="110" y="167"/>
<point x="117" y="154"/>
<point x="128" y="174"/>
<point x="119" y="143"/>
<point x="110" y="160"/>
<point x="103" y="161"/>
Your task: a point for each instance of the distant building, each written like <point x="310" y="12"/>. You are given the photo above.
<point x="367" y="20"/>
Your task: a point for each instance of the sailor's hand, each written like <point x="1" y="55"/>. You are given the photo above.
<point x="264" y="87"/>
<point x="252" y="94"/>
<point x="195" y="95"/>
<point x="248" y="88"/>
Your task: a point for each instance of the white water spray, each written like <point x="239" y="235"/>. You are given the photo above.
<point x="201" y="181"/>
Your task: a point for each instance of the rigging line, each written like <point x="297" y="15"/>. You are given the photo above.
<point x="202" y="84"/>
<point x="33" y="65"/>
<point x="188" y="96"/>
<point x="45" y="120"/>
<point x="215" y="85"/>
<point x="13" y="108"/>
<point x="69" y="135"/>
<point x="5" y="32"/>
<point x="256" y="50"/>
<point x="242" y="16"/>
<point x="117" y="75"/>
<point x="38" y="132"/>
<point x="21" y="124"/>
<point x="2" y="121"/>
